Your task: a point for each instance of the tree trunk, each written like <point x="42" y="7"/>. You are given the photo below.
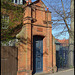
<point x="71" y="38"/>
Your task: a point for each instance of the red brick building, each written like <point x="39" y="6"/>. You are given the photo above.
<point x="36" y="49"/>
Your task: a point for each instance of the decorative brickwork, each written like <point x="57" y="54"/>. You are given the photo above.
<point x="33" y="24"/>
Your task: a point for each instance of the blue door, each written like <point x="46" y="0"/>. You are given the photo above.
<point x="37" y="54"/>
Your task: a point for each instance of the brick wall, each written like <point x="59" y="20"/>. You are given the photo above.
<point x="34" y="18"/>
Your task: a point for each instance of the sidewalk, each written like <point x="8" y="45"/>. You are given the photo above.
<point x="60" y="72"/>
<point x="64" y="72"/>
<point x="63" y="69"/>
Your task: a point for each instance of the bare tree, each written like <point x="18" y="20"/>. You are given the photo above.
<point x="71" y="39"/>
<point x="63" y="21"/>
<point x="61" y="12"/>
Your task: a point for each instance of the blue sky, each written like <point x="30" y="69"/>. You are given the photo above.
<point x="57" y="5"/>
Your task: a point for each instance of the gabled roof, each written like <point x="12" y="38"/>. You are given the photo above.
<point x="64" y="42"/>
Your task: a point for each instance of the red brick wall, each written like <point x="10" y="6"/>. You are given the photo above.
<point x="25" y="54"/>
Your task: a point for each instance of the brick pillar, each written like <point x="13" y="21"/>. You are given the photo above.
<point x="50" y="54"/>
<point x="24" y="49"/>
<point x="49" y="38"/>
<point x="50" y="45"/>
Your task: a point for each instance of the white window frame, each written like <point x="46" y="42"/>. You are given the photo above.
<point x="6" y="21"/>
<point x="18" y="1"/>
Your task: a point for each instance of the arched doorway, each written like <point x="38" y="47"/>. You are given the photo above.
<point x="37" y="54"/>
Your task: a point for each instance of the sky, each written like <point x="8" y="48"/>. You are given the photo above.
<point x="58" y="6"/>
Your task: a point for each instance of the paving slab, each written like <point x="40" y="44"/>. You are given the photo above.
<point x="64" y="72"/>
<point x="60" y="72"/>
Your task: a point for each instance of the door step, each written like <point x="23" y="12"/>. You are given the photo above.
<point x="41" y="73"/>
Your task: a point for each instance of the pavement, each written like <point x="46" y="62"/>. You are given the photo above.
<point x="64" y="72"/>
<point x="61" y="72"/>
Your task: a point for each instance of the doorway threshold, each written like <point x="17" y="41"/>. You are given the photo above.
<point x="40" y="73"/>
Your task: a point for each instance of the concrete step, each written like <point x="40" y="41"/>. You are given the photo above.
<point x="41" y="73"/>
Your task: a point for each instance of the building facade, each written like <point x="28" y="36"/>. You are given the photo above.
<point x="35" y="50"/>
<point x="36" y="46"/>
<point x="62" y="51"/>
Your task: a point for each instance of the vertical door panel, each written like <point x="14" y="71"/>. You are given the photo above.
<point x="37" y="54"/>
